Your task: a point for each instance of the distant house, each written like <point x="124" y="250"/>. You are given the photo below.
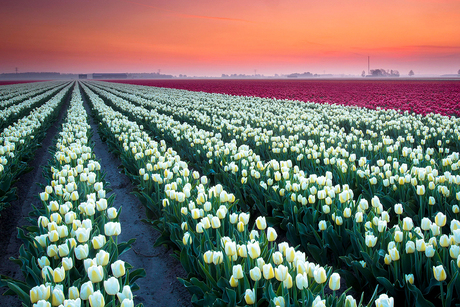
<point x="383" y="73"/>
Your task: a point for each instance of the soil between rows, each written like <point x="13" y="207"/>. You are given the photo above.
<point x="160" y="287"/>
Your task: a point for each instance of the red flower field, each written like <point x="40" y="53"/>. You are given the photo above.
<point x="419" y="96"/>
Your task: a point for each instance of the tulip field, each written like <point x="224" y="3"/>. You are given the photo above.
<point x="418" y="96"/>
<point x="264" y="201"/>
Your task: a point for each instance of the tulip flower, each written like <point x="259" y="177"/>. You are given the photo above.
<point x="408" y="224"/>
<point x="111" y="286"/>
<point x="38" y="293"/>
<point x="217" y="258"/>
<point x="98" y="241"/>
<point x="102" y="258"/>
<point x="112" y="229"/>
<point x="207" y="257"/>
<point x="97" y="299"/>
<point x="125" y="294"/>
<point x="230" y="248"/>
<point x="58" y="274"/>
<point x="233" y="282"/>
<point x="127" y="303"/>
<point x="215" y="222"/>
<point x="43" y="261"/>
<point x="271" y="234"/>
<point x="74" y="293"/>
<point x="118" y="268"/>
<point x="112" y="213"/>
<point x="320" y="275"/>
<point x="81" y="251"/>
<point x="277" y="258"/>
<point x="384" y="301"/>
<point x="57" y="296"/>
<point x="318" y="302"/>
<point x="42" y="303"/>
<point x="237" y="271"/>
<point x="268" y="271"/>
<point x="261" y="223"/>
<point x="279" y="301"/>
<point x="394" y="254"/>
<point x="96" y="273"/>
<point x="255" y="274"/>
<point x="281" y="272"/>
<point x="67" y="263"/>
<point x="370" y="240"/>
<point x="420" y="190"/>
<point x="334" y="282"/>
<point x="429" y="251"/>
<point x="399" y="209"/>
<point x="250" y="297"/>
<point x="426" y="224"/>
<point x="253" y="250"/>
<point x="86" y="290"/>
<point x="439" y="273"/>
<point x="301" y="281"/>
<point x="409" y="278"/>
<point x="440" y="219"/>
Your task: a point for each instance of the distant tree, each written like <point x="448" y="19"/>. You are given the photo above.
<point x="411" y="73"/>
<point x="459" y="71"/>
<point x="363" y="74"/>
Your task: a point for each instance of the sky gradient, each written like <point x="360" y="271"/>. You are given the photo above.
<point x="212" y="37"/>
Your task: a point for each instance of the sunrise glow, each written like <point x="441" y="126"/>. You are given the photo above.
<point x="216" y="37"/>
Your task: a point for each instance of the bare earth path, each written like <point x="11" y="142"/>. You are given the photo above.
<point x="160" y="287"/>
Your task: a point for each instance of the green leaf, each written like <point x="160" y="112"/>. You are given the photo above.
<point x="14" y="286"/>
<point x="420" y="300"/>
<point x="387" y="285"/>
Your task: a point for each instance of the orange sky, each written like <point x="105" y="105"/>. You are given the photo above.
<point x="211" y="37"/>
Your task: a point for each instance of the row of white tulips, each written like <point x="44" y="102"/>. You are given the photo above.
<point x="443" y="184"/>
<point x="204" y="211"/>
<point x="30" y="103"/>
<point x="16" y="93"/>
<point x="18" y="143"/>
<point x="75" y="247"/>
<point x="266" y="120"/>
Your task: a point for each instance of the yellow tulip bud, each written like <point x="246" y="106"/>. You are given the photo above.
<point x="334" y="282"/>
<point x="57" y="296"/>
<point x="58" y="274"/>
<point x="38" y="293"/>
<point x="250" y="297"/>
<point x="439" y="273"/>
<point x="96" y="273"/>
<point x="102" y="258"/>
<point x="207" y="257"/>
<point x="233" y="282"/>
<point x="97" y="299"/>
<point x="320" y="275"/>
<point x="271" y="234"/>
<point x="111" y="286"/>
<point x="255" y="274"/>
<point x="268" y="271"/>
<point x="118" y="268"/>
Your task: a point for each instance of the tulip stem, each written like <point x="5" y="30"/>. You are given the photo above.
<point x="442" y="295"/>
